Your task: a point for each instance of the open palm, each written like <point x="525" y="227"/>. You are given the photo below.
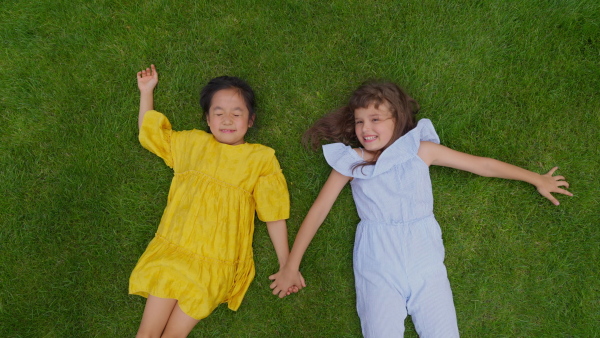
<point x="147" y="79"/>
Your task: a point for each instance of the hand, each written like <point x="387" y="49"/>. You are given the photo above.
<point x="147" y="79"/>
<point x="549" y="184"/>
<point x="286" y="282"/>
<point x="294" y="288"/>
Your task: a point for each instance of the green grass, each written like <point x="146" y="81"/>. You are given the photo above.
<point x="515" y="80"/>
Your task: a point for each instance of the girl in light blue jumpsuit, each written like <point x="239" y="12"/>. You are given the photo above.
<point x="398" y="252"/>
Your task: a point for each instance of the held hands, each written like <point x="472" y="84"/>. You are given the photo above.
<point x="549" y="184"/>
<point x="147" y="79"/>
<point x="286" y="281"/>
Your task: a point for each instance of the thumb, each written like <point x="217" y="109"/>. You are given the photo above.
<point x="551" y="172"/>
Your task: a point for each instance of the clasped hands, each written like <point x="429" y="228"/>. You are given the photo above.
<point x="286" y="282"/>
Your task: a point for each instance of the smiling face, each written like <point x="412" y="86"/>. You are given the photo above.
<point x="374" y="127"/>
<point x="228" y="117"/>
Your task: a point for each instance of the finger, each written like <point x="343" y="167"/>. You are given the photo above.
<point x="564" y="192"/>
<point x="154" y="72"/>
<point x="139" y="75"/>
<point x="276" y="291"/>
<point x="562" y="184"/>
<point x="273" y="285"/>
<point x="551" y="198"/>
<point x="272" y="277"/>
<point x="551" y="172"/>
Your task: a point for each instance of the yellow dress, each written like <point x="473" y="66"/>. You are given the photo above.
<point x="202" y="252"/>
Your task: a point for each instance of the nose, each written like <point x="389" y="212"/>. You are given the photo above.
<point x="366" y="126"/>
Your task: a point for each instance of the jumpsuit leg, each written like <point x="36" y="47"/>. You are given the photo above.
<point x="432" y="308"/>
<point x="430" y="302"/>
<point x="380" y="282"/>
<point x="381" y="308"/>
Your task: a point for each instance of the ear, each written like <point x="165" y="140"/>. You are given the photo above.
<point x="251" y="121"/>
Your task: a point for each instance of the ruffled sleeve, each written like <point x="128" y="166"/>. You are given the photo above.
<point x="343" y="158"/>
<point x="155" y="135"/>
<point x="271" y="194"/>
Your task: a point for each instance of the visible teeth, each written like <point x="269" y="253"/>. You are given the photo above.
<point x="370" y="138"/>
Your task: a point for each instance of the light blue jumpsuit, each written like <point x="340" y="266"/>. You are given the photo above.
<point x="398" y="251"/>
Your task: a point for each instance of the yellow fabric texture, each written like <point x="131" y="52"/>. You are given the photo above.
<point x="202" y="252"/>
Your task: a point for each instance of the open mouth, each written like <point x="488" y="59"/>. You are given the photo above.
<point x="227" y="131"/>
<point x="369" y="138"/>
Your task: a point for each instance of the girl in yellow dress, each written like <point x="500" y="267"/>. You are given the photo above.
<point x="201" y="255"/>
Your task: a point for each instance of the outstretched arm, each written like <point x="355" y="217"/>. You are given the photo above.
<point x="435" y="154"/>
<point x="279" y="236"/>
<point x="289" y="275"/>
<point x="147" y="80"/>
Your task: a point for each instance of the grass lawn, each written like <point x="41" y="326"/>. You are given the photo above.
<point x="80" y="198"/>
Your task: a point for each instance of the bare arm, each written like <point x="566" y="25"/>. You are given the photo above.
<point x="435" y="154"/>
<point x="279" y="236"/>
<point x="147" y="80"/>
<point x="289" y="275"/>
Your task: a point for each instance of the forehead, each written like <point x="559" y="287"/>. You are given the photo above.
<point x="229" y="98"/>
<point x="373" y="109"/>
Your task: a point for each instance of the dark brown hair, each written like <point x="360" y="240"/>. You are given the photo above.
<point x="228" y="82"/>
<point x="338" y="125"/>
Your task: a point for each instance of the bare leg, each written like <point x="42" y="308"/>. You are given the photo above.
<point x="179" y="324"/>
<point x="155" y="317"/>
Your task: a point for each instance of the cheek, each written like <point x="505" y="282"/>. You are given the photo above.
<point x="241" y="124"/>
<point x="213" y="122"/>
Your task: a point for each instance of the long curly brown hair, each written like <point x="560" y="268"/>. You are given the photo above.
<point x="338" y="125"/>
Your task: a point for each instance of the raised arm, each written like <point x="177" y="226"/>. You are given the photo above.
<point x="289" y="275"/>
<point x="435" y="154"/>
<point x="147" y="80"/>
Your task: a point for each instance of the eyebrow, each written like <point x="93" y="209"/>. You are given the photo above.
<point x="376" y="114"/>
<point x="221" y="108"/>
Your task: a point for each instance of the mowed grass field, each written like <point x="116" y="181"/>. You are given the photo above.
<point x="80" y="199"/>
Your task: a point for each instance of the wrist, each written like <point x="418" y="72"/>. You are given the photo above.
<point x="290" y="267"/>
<point x="537" y="180"/>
